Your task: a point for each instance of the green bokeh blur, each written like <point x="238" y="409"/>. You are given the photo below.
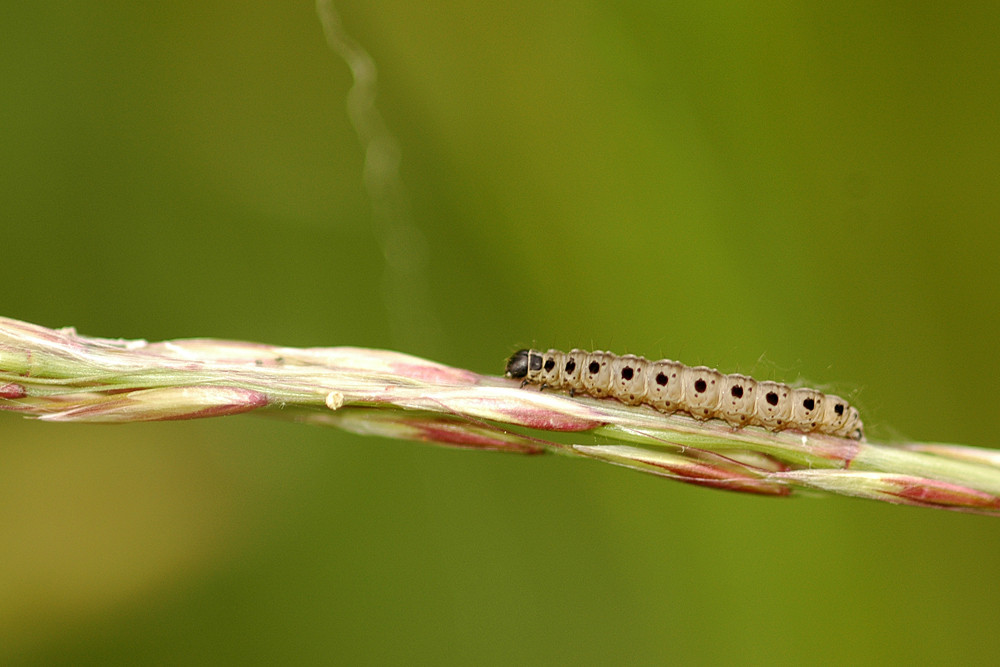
<point x="797" y="191"/>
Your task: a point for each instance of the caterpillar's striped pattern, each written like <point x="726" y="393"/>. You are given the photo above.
<point x="702" y="392"/>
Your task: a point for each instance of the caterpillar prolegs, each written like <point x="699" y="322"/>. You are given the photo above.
<point x="702" y="392"/>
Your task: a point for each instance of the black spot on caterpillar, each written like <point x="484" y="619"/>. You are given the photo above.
<point x="702" y="392"/>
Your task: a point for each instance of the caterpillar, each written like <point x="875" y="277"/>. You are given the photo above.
<point x="702" y="392"/>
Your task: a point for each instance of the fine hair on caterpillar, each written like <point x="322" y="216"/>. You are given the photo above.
<point x="702" y="392"/>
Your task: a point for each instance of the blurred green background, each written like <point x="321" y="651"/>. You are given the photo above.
<point x="797" y="191"/>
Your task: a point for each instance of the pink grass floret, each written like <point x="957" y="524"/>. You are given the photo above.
<point x="458" y="435"/>
<point x="934" y="492"/>
<point x="13" y="390"/>
<point x="164" y="404"/>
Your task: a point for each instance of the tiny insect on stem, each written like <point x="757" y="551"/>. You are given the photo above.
<point x="699" y="391"/>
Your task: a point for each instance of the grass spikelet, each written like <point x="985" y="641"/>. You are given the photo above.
<point x="58" y="375"/>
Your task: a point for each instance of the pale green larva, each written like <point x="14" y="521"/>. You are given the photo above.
<point x="702" y="392"/>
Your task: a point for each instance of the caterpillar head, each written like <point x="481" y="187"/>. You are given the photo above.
<point x="518" y="364"/>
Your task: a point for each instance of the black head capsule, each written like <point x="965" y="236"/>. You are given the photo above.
<point x="517" y="365"/>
